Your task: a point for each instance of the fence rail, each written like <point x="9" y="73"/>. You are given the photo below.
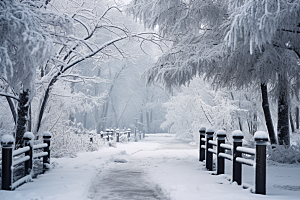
<point x="208" y="147"/>
<point x="15" y="160"/>
<point x="24" y="159"/>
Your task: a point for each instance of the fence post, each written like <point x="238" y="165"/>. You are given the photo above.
<point x="201" y="150"/>
<point x="261" y="139"/>
<point x="7" y="149"/>
<point x="46" y="159"/>
<point x="209" y="155"/>
<point x="112" y="134"/>
<point x="128" y="133"/>
<point x="140" y="135"/>
<point x="107" y="134"/>
<point x="237" y="136"/>
<point x="118" y="135"/>
<point x="221" y="135"/>
<point x="135" y="134"/>
<point x="28" y="141"/>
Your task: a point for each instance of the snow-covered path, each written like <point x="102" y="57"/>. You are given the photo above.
<point x="159" y="167"/>
<point x="124" y="182"/>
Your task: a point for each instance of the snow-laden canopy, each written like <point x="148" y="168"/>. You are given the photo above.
<point x="234" y="43"/>
<point x="25" y="41"/>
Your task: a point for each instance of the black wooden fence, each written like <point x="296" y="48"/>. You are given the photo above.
<point x="18" y="166"/>
<point x="110" y="134"/>
<point x="23" y="159"/>
<point x="206" y="151"/>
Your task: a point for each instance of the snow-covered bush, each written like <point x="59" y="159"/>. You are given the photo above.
<point x="68" y="143"/>
<point x="284" y="154"/>
<point x="123" y="138"/>
<point x="198" y="105"/>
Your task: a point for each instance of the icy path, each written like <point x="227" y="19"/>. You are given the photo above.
<point x="124" y="182"/>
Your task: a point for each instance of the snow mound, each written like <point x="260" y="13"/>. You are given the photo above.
<point x="209" y="130"/>
<point x="47" y="133"/>
<point x="5" y="139"/>
<point x="28" y="135"/>
<point x="202" y="129"/>
<point x="237" y="133"/>
<point x="261" y="135"/>
<point x="221" y="133"/>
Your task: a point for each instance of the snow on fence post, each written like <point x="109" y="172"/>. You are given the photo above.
<point x="201" y="150"/>
<point x="237" y="136"/>
<point x="7" y="142"/>
<point x="221" y="135"/>
<point x="208" y="154"/>
<point x="28" y="141"/>
<point x="46" y="159"/>
<point x="261" y="139"/>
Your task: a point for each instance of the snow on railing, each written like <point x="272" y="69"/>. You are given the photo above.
<point x="20" y="151"/>
<point x="20" y="160"/>
<point x="38" y="146"/>
<point x="11" y="158"/>
<point x="20" y="181"/>
<point x="206" y="151"/>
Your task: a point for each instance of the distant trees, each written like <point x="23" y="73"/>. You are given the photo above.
<point x="97" y="35"/>
<point x="236" y="44"/>
<point x="43" y="43"/>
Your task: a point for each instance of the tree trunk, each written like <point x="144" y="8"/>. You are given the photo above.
<point x="22" y="121"/>
<point x="283" y="115"/>
<point x="267" y="113"/>
<point x="297" y="118"/>
<point x="141" y="121"/>
<point x="12" y="108"/>
<point x="72" y="114"/>
<point x="45" y="101"/>
<point x="292" y="123"/>
<point x="29" y="119"/>
<point x="240" y="124"/>
<point x="148" y="121"/>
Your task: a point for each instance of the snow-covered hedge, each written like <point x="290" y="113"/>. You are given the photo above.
<point x="285" y="154"/>
<point x="69" y="143"/>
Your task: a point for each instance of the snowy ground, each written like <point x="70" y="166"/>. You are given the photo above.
<point x="159" y="167"/>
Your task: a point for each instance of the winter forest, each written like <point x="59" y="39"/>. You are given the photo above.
<point x="77" y="69"/>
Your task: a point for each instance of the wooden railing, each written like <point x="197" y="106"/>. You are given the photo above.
<point x="23" y="159"/>
<point x="110" y="134"/>
<point x="208" y="147"/>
